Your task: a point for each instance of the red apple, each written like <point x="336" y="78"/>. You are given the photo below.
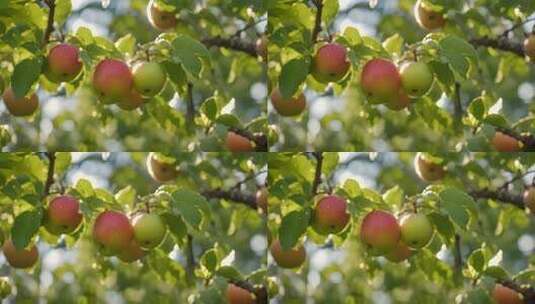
<point x="161" y="170"/>
<point x="262" y="199"/>
<point x="159" y="18"/>
<point x="131" y="102"/>
<point x="505" y="295"/>
<point x="261" y="47"/>
<point x="132" y="252"/>
<point x="20" y="107"/>
<point x="427" y="18"/>
<point x="528" y="198"/>
<point x="237" y="143"/>
<point x="330" y="64"/>
<point x="427" y="170"/>
<point x="529" y="47"/>
<point x="505" y="143"/>
<point x="112" y="80"/>
<point x="380" y="232"/>
<point x="63" y="63"/>
<point x="400" y="253"/>
<point x="291" y="258"/>
<point x="330" y="215"/>
<point x="112" y="231"/>
<point x="238" y="295"/>
<point x="400" y="102"/>
<point x="380" y="80"/>
<point x="63" y="215"/>
<point x="23" y="258"/>
<point x="288" y="107"/>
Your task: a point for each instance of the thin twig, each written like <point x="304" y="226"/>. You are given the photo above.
<point x="457" y="256"/>
<point x="500" y="43"/>
<point x="50" y="22"/>
<point x="233" y="43"/>
<point x="190" y="112"/>
<point x="317" y="23"/>
<point x="317" y="173"/>
<point x="190" y="259"/>
<point x="50" y="173"/>
<point x="458" y="108"/>
<point x="232" y="195"/>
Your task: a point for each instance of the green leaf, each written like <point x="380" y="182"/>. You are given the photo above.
<point x="26" y="75"/>
<point x="457" y="205"/>
<point x="394" y="196"/>
<point x="126" y="196"/>
<point x="293" y="75"/>
<point x="189" y="205"/>
<point x="229" y="120"/>
<point x="126" y="44"/>
<point x="63" y="10"/>
<point x="189" y="52"/>
<point x="25" y="227"/>
<point x="330" y="162"/>
<point x="210" y="108"/>
<point x="293" y="226"/>
<point x="229" y="273"/>
<point x="458" y="53"/>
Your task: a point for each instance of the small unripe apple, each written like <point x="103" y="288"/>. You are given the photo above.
<point x="291" y="258"/>
<point x="529" y="47"/>
<point x="380" y="232"/>
<point x="149" y="78"/>
<point x="505" y="143"/>
<point x="528" y="198"/>
<point x="330" y="64"/>
<point x="132" y="101"/>
<point x="238" y="295"/>
<point x="132" y="252"/>
<point x="400" y="253"/>
<point x="161" y="170"/>
<point x="380" y="80"/>
<point x="400" y="102"/>
<point x="330" y="215"/>
<point x="416" y="78"/>
<point x="5" y="288"/>
<point x="505" y="295"/>
<point x="261" y="47"/>
<point x="416" y="230"/>
<point x="112" y="80"/>
<point x="428" y="170"/>
<point x="237" y="143"/>
<point x="63" y="63"/>
<point x="428" y="18"/>
<point x="113" y="231"/>
<point x="288" y="107"/>
<point x="262" y="199"/>
<point x="63" y="215"/>
<point x="160" y="19"/>
<point x="23" y="258"/>
<point x="149" y="230"/>
<point x="20" y="107"/>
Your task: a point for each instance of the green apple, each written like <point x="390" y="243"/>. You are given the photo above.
<point x="416" y="230"/>
<point x="149" y="230"/>
<point x="416" y="78"/>
<point x="149" y="78"/>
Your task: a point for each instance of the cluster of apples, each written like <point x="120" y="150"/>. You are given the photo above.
<point x="330" y="217"/>
<point x="384" y="236"/>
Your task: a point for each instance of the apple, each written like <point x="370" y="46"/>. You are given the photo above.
<point x="262" y="199"/>
<point x="63" y="215"/>
<point x="131" y="102"/>
<point x="330" y="215"/>
<point x="400" y="253"/>
<point x="505" y="295"/>
<point x="20" y="107"/>
<point x="149" y="78"/>
<point x="288" y="107"/>
<point x="112" y="80"/>
<point x="237" y="143"/>
<point x="380" y="80"/>
<point x="400" y="102"/>
<point x="161" y="170"/>
<point x="380" y="232"/>
<point x="113" y="232"/>
<point x="132" y="252"/>
<point x="416" y="78"/>
<point x="261" y="47"/>
<point x="238" y="295"/>
<point x="427" y="18"/>
<point x="63" y="63"/>
<point x="330" y="64"/>
<point x="149" y="230"/>
<point x="23" y="258"/>
<point x="416" y="230"/>
<point x="529" y="47"/>
<point x="528" y="198"/>
<point x="428" y="170"/>
<point x="292" y="258"/>
<point x="505" y="143"/>
<point x="5" y="288"/>
<point x="159" y="18"/>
